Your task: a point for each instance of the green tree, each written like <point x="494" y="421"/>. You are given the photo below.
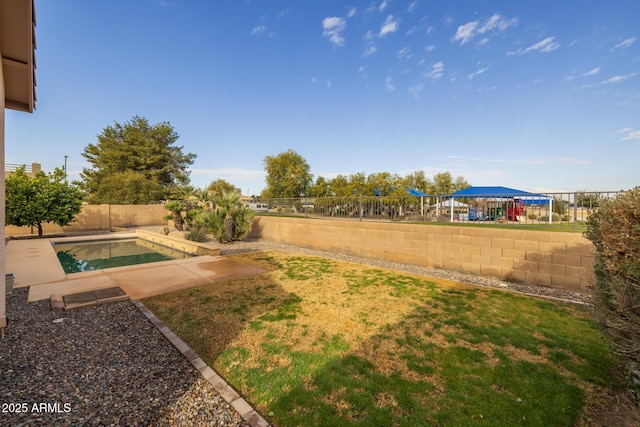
<point x="136" y="147"/>
<point x="128" y="188"/>
<point x="288" y="175"/>
<point x="339" y="186"/>
<point x="418" y="181"/>
<point x="443" y="184"/>
<point x="320" y="188"/>
<point x="175" y="208"/>
<point x="385" y="184"/>
<point x="220" y="186"/>
<point x="43" y="198"/>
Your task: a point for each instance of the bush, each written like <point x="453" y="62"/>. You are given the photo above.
<point x="196" y="233"/>
<point x="615" y="232"/>
<point x="532" y="216"/>
<point x="227" y="229"/>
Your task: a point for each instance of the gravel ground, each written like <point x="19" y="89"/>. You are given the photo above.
<point x="102" y="365"/>
<point x="108" y="365"/>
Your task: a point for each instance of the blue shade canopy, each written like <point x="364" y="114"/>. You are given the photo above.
<point x="413" y="192"/>
<point x="493" y="192"/>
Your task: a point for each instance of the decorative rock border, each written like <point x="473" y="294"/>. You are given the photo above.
<point x="232" y="397"/>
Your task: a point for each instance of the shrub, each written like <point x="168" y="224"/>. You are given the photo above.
<point x="230" y="220"/>
<point x="555" y="217"/>
<point x="196" y="233"/>
<point x="532" y="216"/>
<point x="615" y="231"/>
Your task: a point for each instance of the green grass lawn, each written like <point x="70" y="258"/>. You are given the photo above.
<point x="322" y="342"/>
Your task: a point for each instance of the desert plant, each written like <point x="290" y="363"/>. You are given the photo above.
<point x="532" y="216"/>
<point x="230" y="220"/>
<point x="196" y="233"/>
<point x="175" y="209"/>
<point x="615" y="231"/>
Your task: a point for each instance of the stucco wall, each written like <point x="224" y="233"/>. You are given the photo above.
<point x="102" y="218"/>
<point x="552" y="259"/>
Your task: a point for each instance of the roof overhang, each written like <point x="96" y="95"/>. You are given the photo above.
<point x="17" y="47"/>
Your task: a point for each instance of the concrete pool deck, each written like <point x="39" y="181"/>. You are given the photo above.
<point x="35" y="264"/>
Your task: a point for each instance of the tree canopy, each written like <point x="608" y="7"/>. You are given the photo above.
<point x="219" y="186"/>
<point x="288" y="175"/>
<point x="140" y="154"/>
<point x="386" y="184"/>
<point x="43" y="198"/>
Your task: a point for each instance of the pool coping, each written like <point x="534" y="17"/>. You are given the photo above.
<point x="179" y="243"/>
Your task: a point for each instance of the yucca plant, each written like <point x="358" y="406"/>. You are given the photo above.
<point x="230" y="220"/>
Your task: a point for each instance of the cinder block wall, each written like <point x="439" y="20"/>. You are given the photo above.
<point x="102" y="218"/>
<point x="542" y="258"/>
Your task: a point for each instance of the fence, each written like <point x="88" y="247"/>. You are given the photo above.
<point x="570" y="210"/>
<point x="101" y="218"/>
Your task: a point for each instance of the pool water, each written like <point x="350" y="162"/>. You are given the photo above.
<point x="76" y="257"/>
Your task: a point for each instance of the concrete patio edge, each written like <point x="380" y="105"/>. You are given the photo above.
<point x="227" y="392"/>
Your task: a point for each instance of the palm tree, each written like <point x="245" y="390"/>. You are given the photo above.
<point x="230" y="220"/>
<point x="175" y="208"/>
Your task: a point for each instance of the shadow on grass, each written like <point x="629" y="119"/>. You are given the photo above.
<point x="457" y="356"/>
<point x="210" y="317"/>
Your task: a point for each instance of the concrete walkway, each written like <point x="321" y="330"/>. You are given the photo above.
<point x="36" y="265"/>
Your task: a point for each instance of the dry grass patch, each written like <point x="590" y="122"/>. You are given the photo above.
<point x="315" y="341"/>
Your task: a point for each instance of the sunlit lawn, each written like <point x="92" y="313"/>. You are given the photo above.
<point x="315" y="341"/>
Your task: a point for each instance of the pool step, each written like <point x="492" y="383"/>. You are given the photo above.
<point x="86" y="299"/>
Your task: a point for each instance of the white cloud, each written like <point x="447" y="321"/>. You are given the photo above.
<point x="369" y="51"/>
<point x="352" y="12"/>
<point x="470" y="30"/>
<point x="466" y="32"/>
<point x="413" y="6"/>
<point x="618" y="78"/>
<point x="333" y="28"/>
<point x="405" y="53"/>
<point x="368" y="36"/>
<point x="383" y="5"/>
<point x="592" y="72"/>
<point x="436" y="72"/>
<point x="547" y="45"/>
<point x="260" y="29"/>
<point x="389" y="85"/>
<point x="328" y="83"/>
<point x="416" y="89"/>
<point x="477" y="73"/>
<point x="624" y="44"/>
<point x="389" y="26"/>
<point x="429" y="48"/>
<point x="630" y="134"/>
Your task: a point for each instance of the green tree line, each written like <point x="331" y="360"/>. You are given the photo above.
<point x="288" y="175"/>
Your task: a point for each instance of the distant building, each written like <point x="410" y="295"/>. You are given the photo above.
<point x="30" y="170"/>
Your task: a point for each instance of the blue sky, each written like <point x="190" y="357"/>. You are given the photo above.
<point x="539" y="96"/>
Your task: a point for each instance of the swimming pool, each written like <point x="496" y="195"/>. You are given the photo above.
<point x="79" y="256"/>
